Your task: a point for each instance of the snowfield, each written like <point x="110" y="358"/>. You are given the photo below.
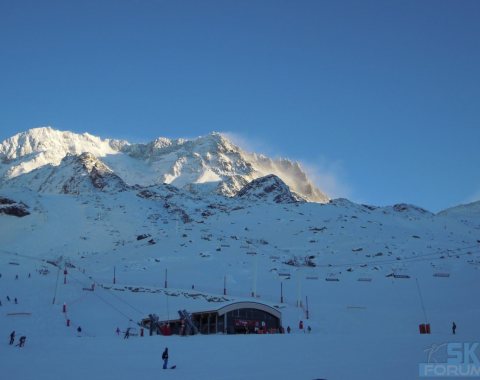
<point x="366" y="276"/>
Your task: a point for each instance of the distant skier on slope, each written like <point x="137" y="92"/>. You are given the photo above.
<point x="127" y="334"/>
<point x="21" y="342"/>
<point x="165" y="358"/>
<point x="454" y="328"/>
<point x="12" y="337"/>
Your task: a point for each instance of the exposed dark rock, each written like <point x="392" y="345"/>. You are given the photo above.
<point x="13" y="208"/>
<point x="6" y="201"/>
<point x="143" y="236"/>
<point x="270" y="188"/>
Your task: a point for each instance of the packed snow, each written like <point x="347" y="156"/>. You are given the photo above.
<point x="361" y="277"/>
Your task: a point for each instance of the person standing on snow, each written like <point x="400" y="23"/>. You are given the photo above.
<point x="165" y="358"/>
<point x="12" y="337"/>
<point x="454" y="327"/>
<point x="21" y="342"/>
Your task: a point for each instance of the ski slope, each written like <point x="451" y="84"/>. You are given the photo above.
<point x="360" y="329"/>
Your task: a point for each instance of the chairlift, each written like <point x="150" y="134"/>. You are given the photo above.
<point x="331" y="279"/>
<point x="441" y="274"/>
<point x="365" y="279"/>
<point x="401" y="276"/>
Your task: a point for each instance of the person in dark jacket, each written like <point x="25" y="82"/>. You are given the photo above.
<point x="21" y="342"/>
<point x="165" y="358"/>
<point x="12" y="337"/>
<point x="454" y="327"/>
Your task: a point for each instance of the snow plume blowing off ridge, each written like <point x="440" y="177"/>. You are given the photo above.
<point x="211" y="160"/>
<point x="295" y="175"/>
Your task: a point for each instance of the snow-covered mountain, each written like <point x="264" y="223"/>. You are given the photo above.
<point x="75" y="174"/>
<point x="206" y="164"/>
<point x="363" y="277"/>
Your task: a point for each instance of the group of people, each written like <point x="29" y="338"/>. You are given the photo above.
<point x="21" y="341"/>
<point x="15" y="300"/>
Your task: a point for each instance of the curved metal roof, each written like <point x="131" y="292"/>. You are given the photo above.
<point x="249" y="305"/>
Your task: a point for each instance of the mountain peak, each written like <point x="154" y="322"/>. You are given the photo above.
<point x="211" y="159"/>
<point x="46" y="139"/>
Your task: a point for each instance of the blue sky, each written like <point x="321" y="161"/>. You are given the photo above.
<point x="380" y="100"/>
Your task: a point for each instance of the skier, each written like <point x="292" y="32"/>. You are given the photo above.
<point x="79" y="330"/>
<point x="165" y="358"/>
<point x="127" y="334"/>
<point x="117" y="331"/>
<point x="21" y="342"/>
<point x="12" y="337"/>
<point x="16" y="301"/>
<point x="288" y="329"/>
<point x="309" y="329"/>
<point x="454" y="327"/>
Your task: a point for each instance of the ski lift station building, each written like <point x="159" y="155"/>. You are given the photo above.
<point x="232" y="318"/>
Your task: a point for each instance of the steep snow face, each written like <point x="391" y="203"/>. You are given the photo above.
<point x="74" y="175"/>
<point x="210" y="160"/>
<point x="37" y="147"/>
<point x="213" y="159"/>
<point x="182" y="162"/>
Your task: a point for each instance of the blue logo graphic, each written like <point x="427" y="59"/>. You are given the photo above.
<point x="451" y="360"/>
